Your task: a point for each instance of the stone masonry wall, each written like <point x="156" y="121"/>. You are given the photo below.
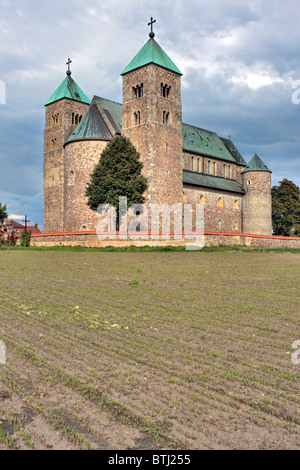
<point x="225" y="215"/>
<point x="257" y="203"/>
<point x="90" y="239"/>
<point x="159" y="143"/>
<point x="80" y="160"/>
<point x="58" y="128"/>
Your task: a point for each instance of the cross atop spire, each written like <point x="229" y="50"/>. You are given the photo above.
<point x="68" y="64"/>
<point x="152" y="21"/>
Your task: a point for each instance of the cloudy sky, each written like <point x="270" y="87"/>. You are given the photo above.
<point x="240" y="64"/>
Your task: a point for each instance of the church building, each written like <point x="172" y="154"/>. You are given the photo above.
<point x="182" y="163"/>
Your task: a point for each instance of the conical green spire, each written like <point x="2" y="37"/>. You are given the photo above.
<point x="151" y="52"/>
<point x="68" y="89"/>
<point x="256" y="164"/>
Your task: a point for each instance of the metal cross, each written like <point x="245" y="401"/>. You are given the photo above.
<point x="68" y="64"/>
<point x="152" y="21"/>
<point x="26" y="221"/>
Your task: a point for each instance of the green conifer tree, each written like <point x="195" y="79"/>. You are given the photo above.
<point x="3" y="213"/>
<point x="118" y="173"/>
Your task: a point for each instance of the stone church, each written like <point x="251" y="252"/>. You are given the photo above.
<point x="182" y="163"/>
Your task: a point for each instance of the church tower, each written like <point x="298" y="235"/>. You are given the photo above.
<point x="64" y="110"/>
<point x="257" y="201"/>
<point x="151" y="119"/>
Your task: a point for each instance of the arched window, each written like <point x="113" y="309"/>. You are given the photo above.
<point x="208" y="167"/>
<point x="220" y="202"/>
<point x="229" y="171"/>
<point x="55" y="119"/>
<point x="183" y="196"/>
<point x="236" y="204"/>
<point x="198" y="165"/>
<point x="224" y="171"/>
<point x="192" y="163"/>
<point x="138" y="90"/>
<point x="214" y="168"/>
<point x="76" y="118"/>
<point x="202" y="199"/>
<point x="164" y="90"/>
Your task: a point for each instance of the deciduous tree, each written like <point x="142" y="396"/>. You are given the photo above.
<point x="286" y="208"/>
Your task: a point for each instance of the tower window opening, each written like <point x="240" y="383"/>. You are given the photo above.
<point x="55" y="119"/>
<point x="164" y="90"/>
<point x="220" y="202"/>
<point x="76" y="118"/>
<point x="138" y="90"/>
<point x="137" y="118"/>
<point x="165" y="117"/>
<point x="71" y="177"/>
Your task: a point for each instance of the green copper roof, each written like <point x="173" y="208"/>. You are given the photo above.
<point x="68" y="89"/>
<point x="194" y="139"/>
<point x="201" y="141"/>
<point x="113" y="112"/>
<point x="151" y="52"/>
<point x="215" y="182"/>
<point x="92" y="127"/>
<point x="256" y="164"/>
<point x="234" y="151"/>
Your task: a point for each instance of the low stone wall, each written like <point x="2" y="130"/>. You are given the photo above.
<point x="265" y="241"/>
<point x="90" y="239"/>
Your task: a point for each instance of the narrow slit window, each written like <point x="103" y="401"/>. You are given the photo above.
<point x="165" y="117"/>
<point x="137" y="118"/>
<point x="192" y="163"/>
<point x="71" y="177"/>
